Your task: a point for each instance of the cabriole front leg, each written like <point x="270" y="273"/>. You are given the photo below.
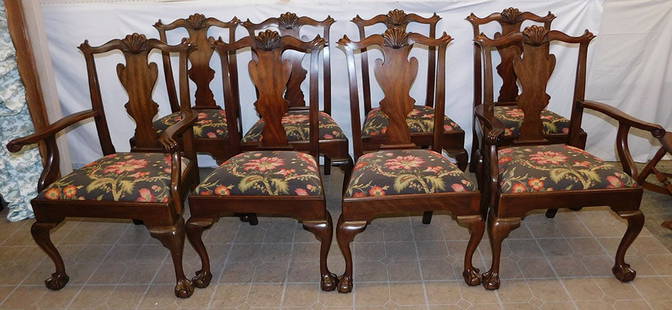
<point x="195" y="228"/>
<point x="172" y="237"/>
<point x="40" y="232"/>
<point x="323" y="231"/>
<point x="476" y="226"/>
<point x="347" y="230"/>
<point x="621" y="270"/>
<point x="498" y="230"/>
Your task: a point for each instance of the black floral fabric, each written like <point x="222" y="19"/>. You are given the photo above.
<point x="396" y="172"/>
<point x="141" y="177"/>
<point x="264" y="173"/>
<point x="512" y="118"/>
<point x="419" y="120"/>
<point x="210" y="123"/>
<point x="556" y="167"/>
<point x="297" y="127"/>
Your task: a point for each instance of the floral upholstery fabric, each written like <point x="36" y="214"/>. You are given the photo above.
<point x="419" y="120"/>
<point x="264" y="173"/>
<point x="210" y="123"/>
<point x="396" y="172"/>
<point x="556" y="167"/>
<point x="512" y="118"/>
<point x="141" y="177"/>
<point x="297" y="127"/>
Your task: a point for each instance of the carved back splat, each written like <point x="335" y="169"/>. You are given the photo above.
<point x="533" y="69"/>
<point x="510" y="20"/>
<point x="200" y="73"/>
<point x="138" y="76"/>
<point x="396" y="73"/>
<point x="397" y="19"/>
<point x="269" y="73"/>
<point x="289" y="24"/>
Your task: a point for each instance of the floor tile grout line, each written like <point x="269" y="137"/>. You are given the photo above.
<point x="226" y="261"/>
<point x="607" y="252"/>
<point x="289" y="264"/>
<point x="417" y="257"/>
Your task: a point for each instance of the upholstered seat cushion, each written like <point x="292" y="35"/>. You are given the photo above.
<point x="297" y="127"/>
<point x="142" y="177"/>
<point x="512" y="118"/>
<point x="210" y="123"/>
<point x="264" y="173"/>
<point x="419" y="120"/>
<point x="414" y="171"/>
<point x="556" y="167"/>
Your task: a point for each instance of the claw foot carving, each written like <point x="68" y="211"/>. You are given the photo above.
<point x="472" y="276"/>
<point x="184" y="288"/>
<point x="328" y="282"/>
<point x="624" y="273"/>
<point x="490" y="280"/>
<point x="345" y="284"/>
<point x="202" y="279"/>
<point x="57" y="281"/>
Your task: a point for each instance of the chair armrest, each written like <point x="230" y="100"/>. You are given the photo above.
<point x="49" y="131"/>
<point x="491" y="126"/>
<point x="167" y="138"/>
<point x="624" y="118"/>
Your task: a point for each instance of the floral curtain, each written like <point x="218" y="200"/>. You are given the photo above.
<point x="19" y="172"/>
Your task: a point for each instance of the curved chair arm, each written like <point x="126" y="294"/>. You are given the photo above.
<point x="625" y="122"/>
<point x="490" y="126"/>
<point x="491" y="131"/>
<point x="169" y="142"/>
<point x="51" y="169"/>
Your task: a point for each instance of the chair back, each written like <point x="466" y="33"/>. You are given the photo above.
<point x="200" y="72"/>
<point x="138" y="77"/>
<point x="289" y="24"/>
<point x="395" y="74"/>
<point x="533" y="68"/>
<point x="510" y="21"/>
<point x="269" y="72"/>
<point x="397" y="19"/>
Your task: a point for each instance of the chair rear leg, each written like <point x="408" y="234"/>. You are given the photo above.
<point x="550" y="213"/>
<point x="476" y="226"/>
<point x="346" y="232"/>
<point x="498" y="230"/>
<point x="40" y="232"/>
<point x="323" y="231"/>
<point x="195" y="228"/>
<point x="427" y="217"/>
<point x="347" y="166"/>
<point x="327" y="165"/>
<point x="622" y="270"/>
<point x="172" y="237"/>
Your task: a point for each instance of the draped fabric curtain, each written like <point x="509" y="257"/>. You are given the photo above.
<point x="19" y="172"/>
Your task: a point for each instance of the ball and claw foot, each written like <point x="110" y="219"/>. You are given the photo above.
<point x="329" y="282"/>
<point x="184" y="288"/>
<point x="345" y="284"/>
<point x="202" y="279"/>
<point x="57" y="281"/>
<point x="472" y="276"/>
<point x="490" y="280"/>
<point x="624" y="273"/>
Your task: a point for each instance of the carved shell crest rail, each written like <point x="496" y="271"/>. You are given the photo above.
<point x="511" y="15"/>
<point x="196" y="21"/>
<point x="288" y="20"/>
<point x="533" y="71"/>
<point x="396" y="74"/>
<point x="396" y="18"/>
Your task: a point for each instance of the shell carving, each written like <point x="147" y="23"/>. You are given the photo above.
<point x="535" y="35"/>
<point x="395" y="37"/>
<point x="510" y="15"/>
<point x="268" y="40"/>
<point x="396" y="18"/>
<point x="134" y="43"/>
<point x="288" y="21"/>
<point x="196" y="21"/>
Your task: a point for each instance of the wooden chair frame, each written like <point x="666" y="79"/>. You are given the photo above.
<point x="508" y="209"/>
<point x="197" y="25"/>
<point x="358" y="212"/>
<point x="335" y="151"/>
<point x="453" y="141"/>
<point x="163" y="220"/>
<point x="311" y="211"/>
<point x="510" y="20"/>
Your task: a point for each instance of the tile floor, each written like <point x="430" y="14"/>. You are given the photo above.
<point x="563" y="263"/>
